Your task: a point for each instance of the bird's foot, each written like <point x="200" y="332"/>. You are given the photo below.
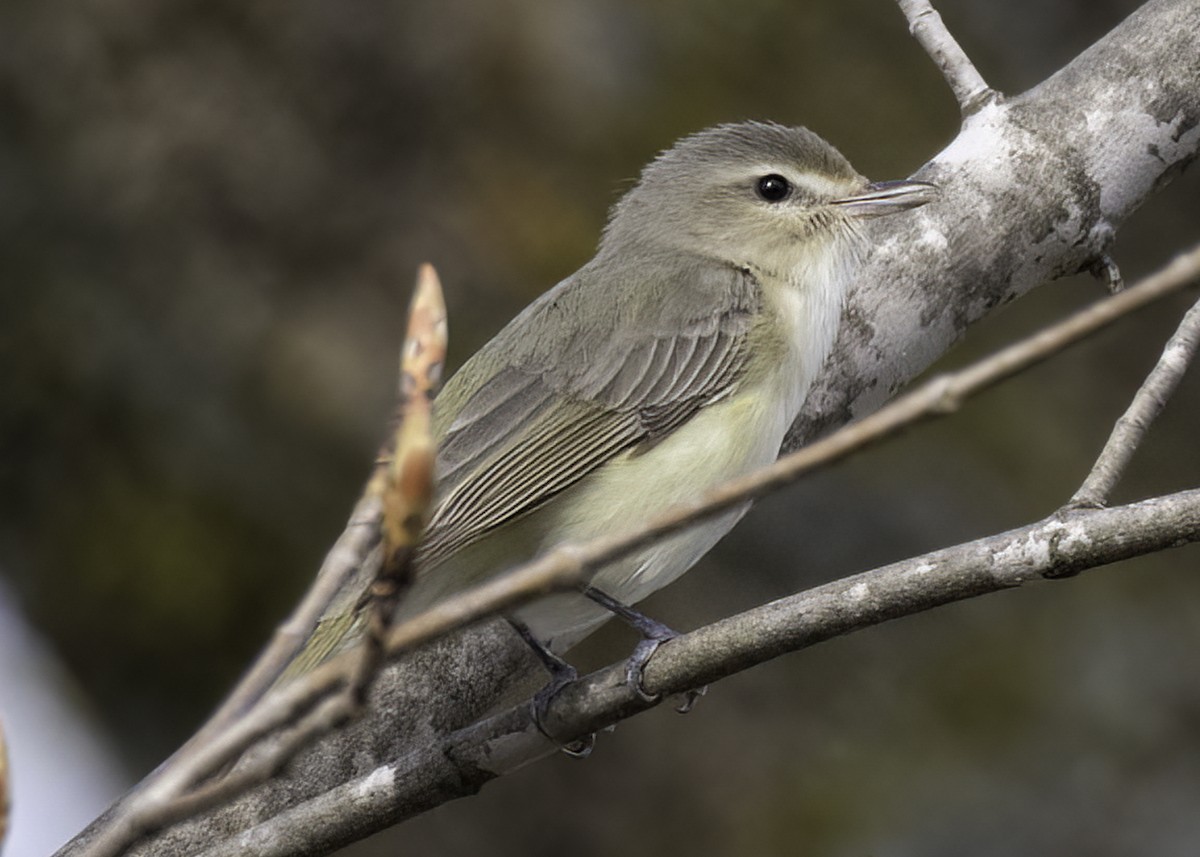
<point x="654" y="634"/>
<point x="561" y="674"/>
<point x="578" y="749"/>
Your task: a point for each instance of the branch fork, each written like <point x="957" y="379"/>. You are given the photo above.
<point x="969" y="88"/>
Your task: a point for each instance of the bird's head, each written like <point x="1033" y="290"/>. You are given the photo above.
<point x="752" y="193"/>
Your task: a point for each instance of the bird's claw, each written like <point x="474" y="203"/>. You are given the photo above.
<point x="635" y="669"/>
<point x="636" y="665"/>
<point x="690" y="698"/>
<point x="654" y="634"/>
<point x="580" y="748"/>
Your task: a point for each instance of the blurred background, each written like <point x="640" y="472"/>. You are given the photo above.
<point x="210" y="218"/>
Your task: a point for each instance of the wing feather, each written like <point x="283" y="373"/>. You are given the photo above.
<point x="627" y="379"/>
<point x="538" y="425"/>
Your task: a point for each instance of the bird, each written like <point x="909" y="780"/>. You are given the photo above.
<point x="675" y="359"/>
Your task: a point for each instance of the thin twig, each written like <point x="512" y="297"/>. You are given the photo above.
<point x="393" y="508"/>
<point x="344" y="560"/>
<point x="1147" y="404"/>
<point x="408" y="484"/>
<point x="969" y="88"/>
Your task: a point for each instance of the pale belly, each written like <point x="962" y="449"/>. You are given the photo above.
<point x="725" y="440"/>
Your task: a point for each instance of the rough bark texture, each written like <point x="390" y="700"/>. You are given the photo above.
<point x="1033" y="188"/>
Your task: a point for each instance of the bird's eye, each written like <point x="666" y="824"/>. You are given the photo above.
<point x="774" y="188"/>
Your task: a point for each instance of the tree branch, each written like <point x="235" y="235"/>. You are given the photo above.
<point x="969" y="88"/>
<point x="1147" y="404"/>
<point x="402" y="486"/>
<point x="1032" y="189"/>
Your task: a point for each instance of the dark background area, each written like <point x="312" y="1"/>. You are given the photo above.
<point x="210" y="218"/>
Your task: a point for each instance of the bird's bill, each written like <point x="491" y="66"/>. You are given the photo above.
<point x="881" y="198"/>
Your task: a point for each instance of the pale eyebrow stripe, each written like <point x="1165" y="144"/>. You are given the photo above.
<point x="822" y="185"/>
<point x="813" y="183"/>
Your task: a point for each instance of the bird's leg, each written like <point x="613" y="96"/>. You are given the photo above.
<point x="654" y="634"/>
<point x="561" y="674"/>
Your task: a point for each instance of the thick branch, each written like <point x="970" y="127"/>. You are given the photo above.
<point x="1032" y="189"/>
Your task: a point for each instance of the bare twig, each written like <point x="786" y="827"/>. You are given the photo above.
<point x="970" y="89"/>
<point x="462" y="762"/>
<point x="408" y="482"/>
<point x="345" y="559"/>
<point x="394" y="506"/>
<point x="1147" y="404"/>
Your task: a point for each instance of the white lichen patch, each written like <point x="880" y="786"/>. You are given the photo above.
<point x="920" y="569"/>
<point x="1034" y="549"/>
<point x="859" y="592"/>
<point x="1155" y="145"/>
<point x="1072" y="538"/>
<point x="380" y="779"/>
<point x="1041" y="548"/>
<point x="980" y="138"/>
<point x="933" y="238"/>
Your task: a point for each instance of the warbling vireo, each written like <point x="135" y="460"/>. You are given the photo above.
<point x="672" y="361"/>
